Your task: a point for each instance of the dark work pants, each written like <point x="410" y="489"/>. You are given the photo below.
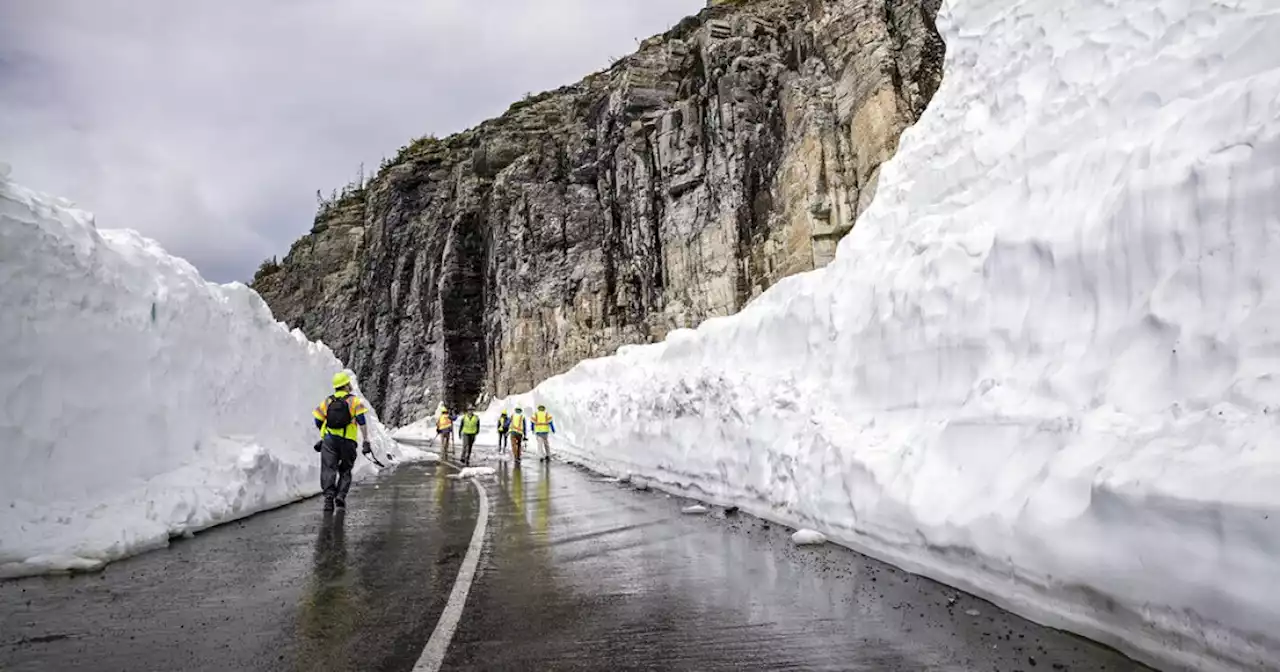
<point x="468" y="442"/>
<point x="337" y="457"/>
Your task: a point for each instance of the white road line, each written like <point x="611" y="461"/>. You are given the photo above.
<point x="433" y="655"/>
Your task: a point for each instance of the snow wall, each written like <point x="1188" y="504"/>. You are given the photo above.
<point x="1045" y="365"/>
<point x="137" y="400"/>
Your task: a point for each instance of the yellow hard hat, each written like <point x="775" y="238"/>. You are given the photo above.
<point x="341" y="379"/>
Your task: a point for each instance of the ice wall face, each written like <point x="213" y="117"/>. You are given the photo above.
<point x="1044" y="365"/>
<point x="137" y="400"/>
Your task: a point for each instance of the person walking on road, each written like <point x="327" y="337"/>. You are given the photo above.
<point x="517" y="434"/>
<point x="504" y="425"/>
<point x="339" y="418"/>
<point x="470" y="428"/>
<point x="444" y="431"/>
<point x="543" y="427"/>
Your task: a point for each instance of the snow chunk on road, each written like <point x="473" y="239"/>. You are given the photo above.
<point x="475" y="472"/>
<point x="808" y="538"/>
<point x="1043" y="367"/>
<point x="138" y="401"/>
<point x="694" y="509"/>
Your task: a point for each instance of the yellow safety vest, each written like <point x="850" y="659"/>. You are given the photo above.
<point x="517" y="424"/>
<point x="444" y="422"/>
<point x="471" y="425"/>
<point x="357" y="409"/>
<point x="541" y="422"/>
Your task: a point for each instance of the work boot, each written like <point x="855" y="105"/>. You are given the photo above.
<point x="342" y="503"/>
<point x="328" y="505"/>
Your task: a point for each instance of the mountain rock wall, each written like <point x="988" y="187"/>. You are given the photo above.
<point x="724" y="155"/>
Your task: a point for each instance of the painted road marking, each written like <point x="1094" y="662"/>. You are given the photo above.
<point x="433" y="655"/>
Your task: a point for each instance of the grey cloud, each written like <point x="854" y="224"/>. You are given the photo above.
<point x="209" y="126"/>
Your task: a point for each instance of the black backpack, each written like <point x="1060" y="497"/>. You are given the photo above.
<point x="338" y="413"/>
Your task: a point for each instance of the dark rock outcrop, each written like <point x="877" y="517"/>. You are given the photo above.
<point x="732" y="151"/>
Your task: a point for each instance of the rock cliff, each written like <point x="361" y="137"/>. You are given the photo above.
<point x="730" y="152"/>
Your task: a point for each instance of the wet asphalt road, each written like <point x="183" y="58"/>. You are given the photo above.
<point x="575" y="574"/>
<point x="290" y="589"/>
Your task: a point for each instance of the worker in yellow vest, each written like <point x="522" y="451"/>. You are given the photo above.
<point x="339" y="418"/>
<point x="504" y="425"/>
<point x="444" y="431"/>
<point x="543" y="427"/>
<point x="517" y="433"/>
<point x="470" y="428"/>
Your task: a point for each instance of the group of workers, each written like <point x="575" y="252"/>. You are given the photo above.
<point x="469" y="426"/>
<point x="512" y="430"/>
<point x="341" y="420"/>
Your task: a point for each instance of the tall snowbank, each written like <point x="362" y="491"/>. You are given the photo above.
<point x="1045" y="366"/>
<point x="138" y="401"/>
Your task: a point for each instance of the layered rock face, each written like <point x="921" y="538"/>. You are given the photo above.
<point x="730" y="152"/>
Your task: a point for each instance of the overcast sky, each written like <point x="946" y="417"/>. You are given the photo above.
<point x="210" y="124"/>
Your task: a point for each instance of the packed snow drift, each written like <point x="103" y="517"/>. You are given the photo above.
<point x="1045" y="365"/>
<point x="138" y="401"/>
<point x="425" y="428"/>
<point x="808" y="538"/>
